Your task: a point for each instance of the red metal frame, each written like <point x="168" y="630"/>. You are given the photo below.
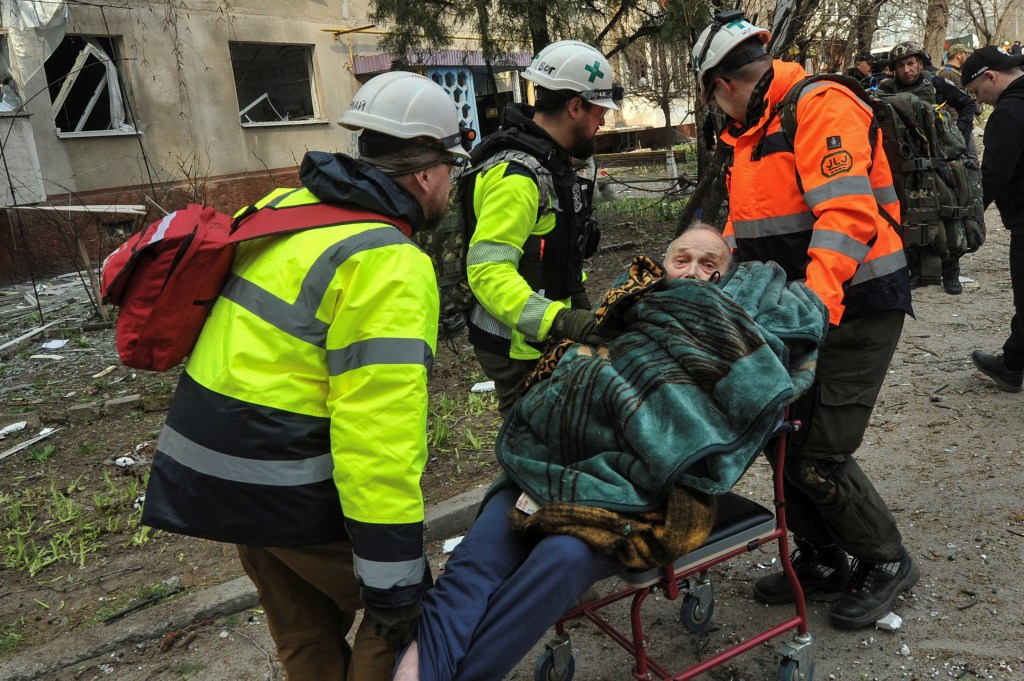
<point x="669" y="584"/>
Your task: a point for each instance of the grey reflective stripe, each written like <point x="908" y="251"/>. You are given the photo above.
<point x="731" y="241"/>
<point x="483" y="252"/>
<point x="825" y="83"/>
<point x="298" y="319"/>
<point x="879" y="267"/>
<point x="886" y="195"/>
<point x="216" y="464"/>
<point x="278" y="313"/>
<point x="485" y="321"/>
<point x="839" y="242"/>
<point x="532" y="315"/>
<point x="380" y="351"/>
<point x="274" y="202"/>
<point x="841" y="186"/>
<point x="783" y="224"/>
<point x="378" y="575"/>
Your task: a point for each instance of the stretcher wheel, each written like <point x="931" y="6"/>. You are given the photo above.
<point x="544" y="670"/>
<point x="789" y="670"/>
<point x="695" y="617"/>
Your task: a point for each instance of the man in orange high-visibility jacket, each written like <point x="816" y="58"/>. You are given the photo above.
<point x="814" y="205"/>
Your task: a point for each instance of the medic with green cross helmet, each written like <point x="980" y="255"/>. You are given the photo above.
<point x="530" y="215"/>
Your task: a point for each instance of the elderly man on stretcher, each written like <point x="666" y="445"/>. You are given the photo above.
<point x="614" y="455"/>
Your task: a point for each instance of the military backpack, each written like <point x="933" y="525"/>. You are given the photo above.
<point x="938" y="185"/>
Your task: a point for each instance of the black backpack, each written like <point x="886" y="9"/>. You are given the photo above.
<point x="938" y="186"/>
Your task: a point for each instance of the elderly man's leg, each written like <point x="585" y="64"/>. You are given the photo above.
<point x="498" y="595"/>
<point x="556" y="573"/>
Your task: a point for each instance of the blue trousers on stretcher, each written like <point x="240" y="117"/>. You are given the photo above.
<point x="499" y="594"/>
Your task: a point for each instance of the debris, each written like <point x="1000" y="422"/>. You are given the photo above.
<point x="971" y="603"/>
<point x="890" y="622"/>
<point x="13" y="428"/>
<point x="904" y="650"/>
<point x="762" y="566"/>
<point x="485" y="387"/>
<point x="55" y="344"/>
<point x="450" y="544"/>
<point x="44" y="433"/>
<point x="105" y="372"/>
<point x="124" y="461"/>
<point x="56" y="357"/>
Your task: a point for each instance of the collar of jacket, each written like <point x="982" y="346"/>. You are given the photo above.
<point x="338" y="178"/>
<point x="784" y="76"/>
<point x="1014" y="90"/>
<point x="519" y="131"/>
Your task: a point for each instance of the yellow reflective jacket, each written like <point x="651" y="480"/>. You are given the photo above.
<point x="301" y="416"/>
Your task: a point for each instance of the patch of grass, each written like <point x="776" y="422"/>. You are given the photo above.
<point x="639" y="208"/>
<point x="50" y="524"/>
<point x="11" y="636"/>
<point x="42" y="455"/>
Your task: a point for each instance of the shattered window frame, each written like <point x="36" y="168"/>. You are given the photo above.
<point x="275" y="84"/>
<point x="86" y="81"/>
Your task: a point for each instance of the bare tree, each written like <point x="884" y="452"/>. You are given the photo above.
<point x="935" y="25"/>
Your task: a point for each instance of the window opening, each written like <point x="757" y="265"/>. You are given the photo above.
<point x="10" y="97"/>
<point x="274" y="83"/>
<point x="85" y="86"/>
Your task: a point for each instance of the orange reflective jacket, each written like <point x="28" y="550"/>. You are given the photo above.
<point x="813" y="205"/>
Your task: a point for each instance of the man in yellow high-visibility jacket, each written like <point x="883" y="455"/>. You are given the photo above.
<point x="525" y="258"/>
<point x="298" y="429"/>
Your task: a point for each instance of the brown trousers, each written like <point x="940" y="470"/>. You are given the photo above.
<point x="310" y="595"/>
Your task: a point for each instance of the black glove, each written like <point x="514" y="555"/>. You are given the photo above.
<point x="396" y="626"/>
<point x="580" y="326"/>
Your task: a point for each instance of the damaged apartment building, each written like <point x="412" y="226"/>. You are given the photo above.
<point x="112" y="113"/>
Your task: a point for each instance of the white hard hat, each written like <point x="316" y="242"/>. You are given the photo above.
<point x="407" y="105"/>
<point x="728" y="30"/>
<point x="577" y="67"/>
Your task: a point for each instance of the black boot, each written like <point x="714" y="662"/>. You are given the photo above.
<point x="818" y="569"/>
<point x="951" y="277"/>
<point x="872" y="591"/>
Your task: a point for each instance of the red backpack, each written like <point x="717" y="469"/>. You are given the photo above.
<point x="166" y="278"/>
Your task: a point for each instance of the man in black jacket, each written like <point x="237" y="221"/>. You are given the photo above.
<point x="995" y="78"/>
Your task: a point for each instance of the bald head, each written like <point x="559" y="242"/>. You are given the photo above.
<point x="697" y="253"/>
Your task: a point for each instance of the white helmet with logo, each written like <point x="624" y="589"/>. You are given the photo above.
<point x="577" y="67"/>
<point x="407" y="105"/>
<point x="725" y="33"/>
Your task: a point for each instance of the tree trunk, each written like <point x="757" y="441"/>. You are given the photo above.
<point x="670" y="137"/>
<point x="538" y="19"/>
<point x="935" y="29"/>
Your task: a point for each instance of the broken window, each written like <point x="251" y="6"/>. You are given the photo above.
<point x="274" y="83"/>
<point x="10" y="98"/>
<point x="86" y="86"/>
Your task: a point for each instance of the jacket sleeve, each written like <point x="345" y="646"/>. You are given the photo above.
<point x="961" y="102"/>
<point x="506" y="201"/>
<point x="833" y="158"/>
<point x="381" y="346"/>
<point x="1003" y="131"/>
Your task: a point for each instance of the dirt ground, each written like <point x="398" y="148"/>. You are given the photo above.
<point x="943" y="447"/>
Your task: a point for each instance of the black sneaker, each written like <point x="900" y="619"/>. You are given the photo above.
<point x="994" y="367"/>
<point x="824" y="570"/>
<point x="872" y="591"/>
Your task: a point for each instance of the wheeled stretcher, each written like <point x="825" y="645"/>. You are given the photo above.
<point x="740" y="526"/>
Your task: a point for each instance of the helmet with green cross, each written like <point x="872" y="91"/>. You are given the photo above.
<point x="577" y="67"/>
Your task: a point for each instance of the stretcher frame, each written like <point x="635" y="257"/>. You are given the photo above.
<point x="741" y="526"/>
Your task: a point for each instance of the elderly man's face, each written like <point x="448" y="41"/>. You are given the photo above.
<point x="908" y="69"/>
<point x="698" y="254"/>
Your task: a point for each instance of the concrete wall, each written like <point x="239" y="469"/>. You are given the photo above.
<point x="180" y="87"/>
